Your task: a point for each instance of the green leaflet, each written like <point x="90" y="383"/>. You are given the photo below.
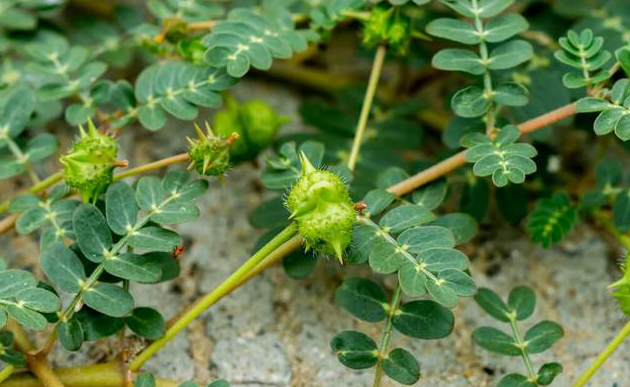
<point x="178" y="88"/>
<point x="583" y="51"/>
<point x="23" y="301"/>
<point x="537" y="339"/>
<point x="109" y="299"/>
<point x="247" y="39"/>
<point x="401" y="366"/>
<point x="423" y="256"/>
<point x="548" y="372"/>
<point x="424" y="319"/>
<point x="486" y="26"/>
<point x="502" y="158"/>
<point x="404" y="217"/>
<point x="70" y="334"/>
<point x="133" y="267"/>
<point x="154" y="238"/>
<point x="121" y="208"/>
<point x="364" y="299"/>
<point x="354" y="349"/>
<point x="15" y="112"/>
<point x="552" y="219"/>
<point x="522" y="301"/>
<point x="147" y="323"/>
<point x="614" y="113"/>
<point x="92" y="232"/>
<point x="542" y="336"/>
<point x="496" y="341"/>
<point x="63" y="267"/>
<point x="190" y="11"/>
<point x="284" y="170"/>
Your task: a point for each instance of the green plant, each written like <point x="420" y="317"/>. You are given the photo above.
<point x="540" y="337"/>
<point x="346" y="189"/>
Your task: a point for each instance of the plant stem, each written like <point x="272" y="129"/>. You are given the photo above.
<point x="604" y="219"/>
<point x="452" y="163"/>
<point x="231" y="283"/>
<point x="377" y="68"/>
<point x="37" y="188"/>
<point x="487" y="78"/>
<point x="180" y="158"/>
<point x="100" y="375"/>
<point x="37" y="364"/>
<point x="387" y="333"/>
<point x="524" y="354"/>
<point x="588" y="374"/>
<point x="6" y="372"/>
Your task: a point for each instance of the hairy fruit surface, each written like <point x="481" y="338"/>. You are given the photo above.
<point x="320" y="204"/>
<point x="209" y="154"/>
<point x="90" y="163"/>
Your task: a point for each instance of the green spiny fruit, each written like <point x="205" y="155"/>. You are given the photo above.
<point x="209" y="154"/>
<point x="254" y="121"/>
<point x="387" y="25"/>
<point x="89" y="164"/>
<point x="623" y="287"/>
<point x="321" y="206"/>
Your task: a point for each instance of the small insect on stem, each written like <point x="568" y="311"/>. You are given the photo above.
<point x="233" y="137"/>
<point x="360" y="207"/>
<point x="178" y="250"/>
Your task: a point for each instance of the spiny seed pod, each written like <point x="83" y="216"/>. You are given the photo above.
<point x="387" y="25"/>
<point x="623" y="287"/>
<point x="89" y="164"/>
<point x="255" y="122"/>
<point x="321" y="206"/>
<point x="209" y="154"/>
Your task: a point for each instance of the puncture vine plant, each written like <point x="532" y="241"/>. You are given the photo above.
<point x="368" y="184"/>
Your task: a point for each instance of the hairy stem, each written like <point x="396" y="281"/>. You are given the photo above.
<point x="232" y="282"/>
<point x="375" y="75"/>
<point x="387" y="333"/>
<point x="605" y="354"/>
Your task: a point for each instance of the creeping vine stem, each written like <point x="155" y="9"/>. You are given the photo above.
<point x="605" y="354"/>
<point x="382" y="350"/>
<point x="377" y="68"/>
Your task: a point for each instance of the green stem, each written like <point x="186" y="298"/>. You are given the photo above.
<point x="37" y="188"/>
<point x="6" y="372"/>
<point x="377" y="68"/>
<point x="605" y="221"/>
<point x="487" y="79"/>
<point x="382" y="350"/>
<point x="229" y="284"/>
<point x="180" y="158"/>
<point x="588" y="374"/>
<point x="21" y="158"/>
<point x="519" y="340"/>
<point x="358" y="15"/>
